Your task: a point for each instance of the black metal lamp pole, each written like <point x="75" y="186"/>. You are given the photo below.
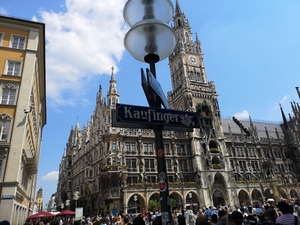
<point x="150" y="40"/>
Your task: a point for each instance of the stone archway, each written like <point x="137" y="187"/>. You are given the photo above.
<point x="219" y="194"/>
<point x="282" y="194"/>
<point x="244" y="197"/>
<point x="192" y="201"/>
<point x="218" y="198"/>
<point x="177" y="202"/>
<point x="256" y="197"/>
<point x="136" y="204"/>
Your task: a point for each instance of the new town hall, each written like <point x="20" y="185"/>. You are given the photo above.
<point x="225" y="161"/>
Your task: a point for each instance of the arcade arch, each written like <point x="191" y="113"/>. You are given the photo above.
<point x="136" y="203"/>
<point x="244" y="196"/>
<point x="219" y="194"/>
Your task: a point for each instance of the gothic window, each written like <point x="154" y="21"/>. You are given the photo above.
<point x="169" y="164"/>
<point x="198" y="77"/>
<point x="131" y="165"/>
<point x="179" y="23"/>
<point x="131" y="180"/>
<point x="148" y="148"/>
<point x="180" y="149"/>
<point x="167" y="148"/>
<point x="239" y="151"/>
<point x="114" y="146"/>
<point x="229" y="151"/>
<point x="149" y="165"/>
<point x="183" y="165"/>
<point x="191" y="75"/>
<point x="130" y="146"/>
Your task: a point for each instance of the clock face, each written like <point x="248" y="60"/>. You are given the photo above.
<point x="193" y="59"/>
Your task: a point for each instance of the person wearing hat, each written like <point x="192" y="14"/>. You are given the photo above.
<point x="262" y="220"/>
<point x="287" y="218"/>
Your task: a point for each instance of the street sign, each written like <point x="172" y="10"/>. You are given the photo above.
<point x="146" y="118"/>
<point x="145" y="86"/>
<point x="155" y="85"/>
<point x="152" y="87"/>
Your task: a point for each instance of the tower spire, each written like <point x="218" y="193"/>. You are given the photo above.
<point x="177" y="9"/>
<point x="113" y="94"/>
<point x="285" y="122"/>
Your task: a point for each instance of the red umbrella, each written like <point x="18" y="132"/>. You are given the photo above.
<point x="40" y="215"/>
<point x="66" y="212"/>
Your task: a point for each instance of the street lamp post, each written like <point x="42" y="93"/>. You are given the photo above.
<point x="151" y="40"/>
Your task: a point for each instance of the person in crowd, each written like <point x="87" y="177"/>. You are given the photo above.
<point x="271" y="214"/>
<point x="208" y="213"/>
<point x="140" y="221"/>
<point x="250" y="220"/>
<point x="192" y="219"/>
<point x="4" y="222"/>
<point x="214" y="219"/>
<point x="200" y="216"/>
<point x="222" y="217"/>
<point x="287" y="217"/>
<point x="181" y="220"/>
<point x="297" y="210"/>
<point x="126" y="220"/>
<point x="235" y="218"/>
<point x="262" y="219"/>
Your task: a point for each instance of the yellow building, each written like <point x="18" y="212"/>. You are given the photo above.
<point x="22" y="114"/>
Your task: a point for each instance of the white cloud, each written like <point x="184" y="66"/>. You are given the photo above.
<point x="51" y="176"/>
<point x="242" y="115"/>
<point x="84" y="40"/>
<point x="282" y="101"/>
<point x="3" y="11"/>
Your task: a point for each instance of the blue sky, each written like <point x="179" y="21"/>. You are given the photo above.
<point x="251" y="51"/>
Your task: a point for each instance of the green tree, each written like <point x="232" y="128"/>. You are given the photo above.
<point x="153" y="205"/>
<point x="173" y="203"/>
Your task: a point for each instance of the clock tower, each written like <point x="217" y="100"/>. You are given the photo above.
<point x="192" y="92"/>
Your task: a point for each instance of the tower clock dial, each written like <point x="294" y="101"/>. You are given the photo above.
<point x="192" y="59"/>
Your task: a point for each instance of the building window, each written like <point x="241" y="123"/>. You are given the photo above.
<point x="4" y="127"/>
<point x="131" y="180"/>
<point x="191" y="75"/>
<point x="198" y="77"/>
<point x="130" y="146"/>
<point x="114" y="146"/>
<point x="13" y="68"/>
<point x="169" y="164"/>
<point x="180" y="149"/>
<point x="18" y="42"/>
<point x="131" y="165"/>
<point x="148" y="148"/>
<point x="1" y="38"/>
<point x="149" y="165"/>
<point x="183" y="165"/>
<point x="167" y="149"/>
<point x="8" y="96"/>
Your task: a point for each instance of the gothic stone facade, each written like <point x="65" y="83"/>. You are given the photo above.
<point x="225" y="161"/>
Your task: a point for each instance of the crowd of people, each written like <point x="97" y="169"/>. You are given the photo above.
<point x="282" y="213"/>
